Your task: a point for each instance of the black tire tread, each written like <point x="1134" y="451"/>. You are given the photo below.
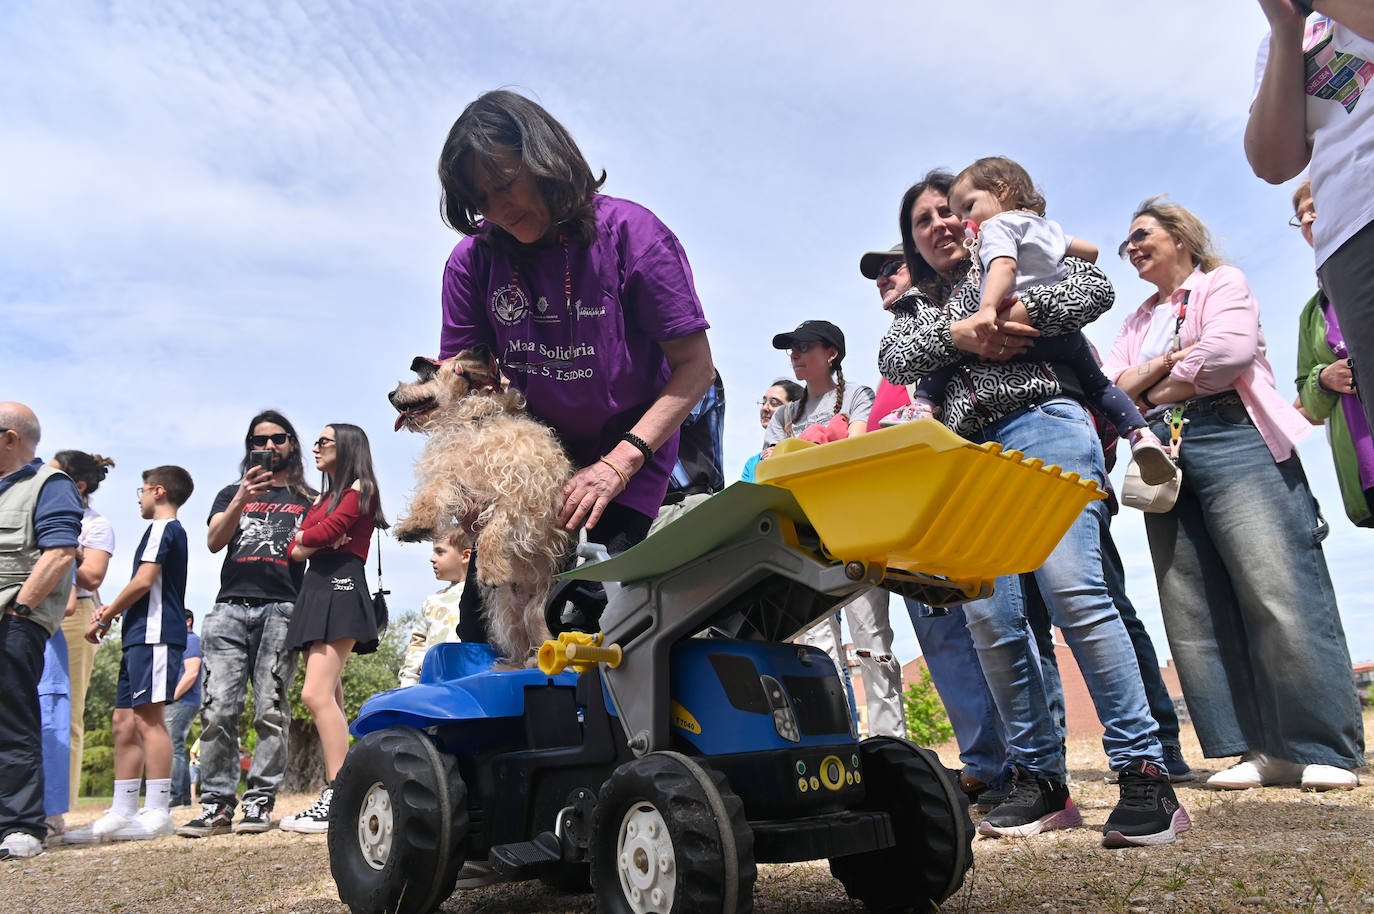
<point x="934" y="847"/>
<point x="663" y="781"/>
<point x="429" y="803"/>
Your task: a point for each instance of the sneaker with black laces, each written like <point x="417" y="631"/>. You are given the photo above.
<point x="214" y="819"/>
<point x="1148" y="813"/>
<point x="257" y="816"/>
<point x="1036" y="804"/>
<point x="313" y="821"/>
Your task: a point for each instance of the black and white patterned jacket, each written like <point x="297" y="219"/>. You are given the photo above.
<point x="981" y="392"/>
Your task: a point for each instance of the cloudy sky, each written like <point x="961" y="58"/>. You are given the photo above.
<point x="208" y="212"/>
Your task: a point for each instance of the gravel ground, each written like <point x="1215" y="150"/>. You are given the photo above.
<point x="1275" y="849"/>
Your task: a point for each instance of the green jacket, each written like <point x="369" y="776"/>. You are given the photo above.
<point x="1322" y="404"/>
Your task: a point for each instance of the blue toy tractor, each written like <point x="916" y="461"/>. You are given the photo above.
<point x="661" y="759"/>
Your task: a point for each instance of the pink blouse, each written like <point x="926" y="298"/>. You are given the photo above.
<point x="1223" y="319"/>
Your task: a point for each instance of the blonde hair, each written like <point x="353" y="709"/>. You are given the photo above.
<point x="1184" y="226"/>
<point x="1304" y="192"/>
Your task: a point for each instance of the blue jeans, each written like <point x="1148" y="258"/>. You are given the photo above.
<point x="180" y="716"/>
<point x="1071" y="580"/>
<point x="1156" y="690"/>
<point x="954" y="669"/>
<point x="240" y="643"/>
<point x="55" y="711"/>
<point x="1248" y="603"/>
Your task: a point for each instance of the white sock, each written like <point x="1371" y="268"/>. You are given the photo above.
<point x="159" y="794"/>
<point x="126" y="798"/>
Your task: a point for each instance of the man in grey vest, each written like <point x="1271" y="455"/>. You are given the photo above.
<point x="40" y="521"/>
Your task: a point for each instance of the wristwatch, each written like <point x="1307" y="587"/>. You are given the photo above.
<point x="22" y="610"/>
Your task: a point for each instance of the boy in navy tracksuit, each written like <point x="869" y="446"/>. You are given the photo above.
<point x="154" y="608"/>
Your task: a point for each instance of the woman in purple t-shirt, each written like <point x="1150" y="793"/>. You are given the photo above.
<point x="586" y="300"/>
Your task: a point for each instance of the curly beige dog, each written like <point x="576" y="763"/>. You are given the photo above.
<point x="499" y="473"/>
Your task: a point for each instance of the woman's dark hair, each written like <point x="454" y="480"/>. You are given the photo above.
<point x="353" y="461"/>
<point x="1007" y="181"/>
<point x="295" y="470"/>
<point x="923" y="275"/>
<point x="502" y="121"/>
<point x="794" y="390"/>
<point x="82" y="467"/>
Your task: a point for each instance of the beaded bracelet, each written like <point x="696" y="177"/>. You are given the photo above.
<point x="624" y="478"/>
<point x="640" y="444"/>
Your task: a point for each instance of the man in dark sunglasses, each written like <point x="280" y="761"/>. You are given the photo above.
<point x="243" y="638"/>
<point x="888" y="270"/>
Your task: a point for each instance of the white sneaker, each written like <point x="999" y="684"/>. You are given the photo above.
<point x="1328" y="777"/>
<point x="149" y="823"/>
<point x="1255" y="769"/>
<point x="19" y="844"/>
<point x="99" y="830"/>
<point x="315" y="820"/>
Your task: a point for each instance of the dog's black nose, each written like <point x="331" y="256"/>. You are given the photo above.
<point x="391" y="398"/>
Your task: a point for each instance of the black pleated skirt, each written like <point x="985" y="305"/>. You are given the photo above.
<point x="333" y="604"/>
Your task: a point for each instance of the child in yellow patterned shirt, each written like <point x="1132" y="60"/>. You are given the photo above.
<point x="438" y="621"/>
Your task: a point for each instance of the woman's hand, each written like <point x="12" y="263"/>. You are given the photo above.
<point x="1007" y="339"/>
<point x="1007" y="336"/>
<point x="1337" y="377"/>
<point x="587" y="494"/>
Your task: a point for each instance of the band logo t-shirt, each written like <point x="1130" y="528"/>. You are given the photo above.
<point x="256" y="564"/>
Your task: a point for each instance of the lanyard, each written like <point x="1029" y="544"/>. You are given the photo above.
<point x="1178" y="322"/>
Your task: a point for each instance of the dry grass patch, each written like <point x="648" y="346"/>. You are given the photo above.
<point x="1275" y="849"/>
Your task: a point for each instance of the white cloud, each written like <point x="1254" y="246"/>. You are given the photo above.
<point x="210" y="210"/>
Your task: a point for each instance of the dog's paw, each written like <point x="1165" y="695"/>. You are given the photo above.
<point x="412" y="533"/>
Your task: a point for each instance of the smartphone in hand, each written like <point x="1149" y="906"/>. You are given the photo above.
<point x="260" y="459"/>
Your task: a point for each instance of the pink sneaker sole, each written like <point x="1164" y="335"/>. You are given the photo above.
<point x="1178" y="824"/>
<point x="1068" y="817"/>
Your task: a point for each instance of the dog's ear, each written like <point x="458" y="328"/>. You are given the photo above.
<point x="424" y="366"/>
<point x="486" y="373"/>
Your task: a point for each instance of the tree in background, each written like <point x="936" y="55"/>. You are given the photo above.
<point x="926" y="722"/>
<point x="364" y="676"/>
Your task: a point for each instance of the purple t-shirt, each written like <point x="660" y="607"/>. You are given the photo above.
<point x="588" y="362"/>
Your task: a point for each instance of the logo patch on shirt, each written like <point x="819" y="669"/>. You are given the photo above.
<point x="342" y="585"/>
<point x="509" y="305"/>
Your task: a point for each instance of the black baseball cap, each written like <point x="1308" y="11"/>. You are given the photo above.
<point x="813" y="332"/>
<point x="872" y="262"/>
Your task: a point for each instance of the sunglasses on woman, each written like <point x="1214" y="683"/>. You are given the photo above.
<point x="1134" y="238"/>
<point x="891" y="267"/>
<point x="261" y="440"/>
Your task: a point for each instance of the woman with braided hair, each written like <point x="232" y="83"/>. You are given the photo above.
<point x="829" y="408"/>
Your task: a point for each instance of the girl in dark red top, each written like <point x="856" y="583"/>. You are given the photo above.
<point x="334" y="616"/>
